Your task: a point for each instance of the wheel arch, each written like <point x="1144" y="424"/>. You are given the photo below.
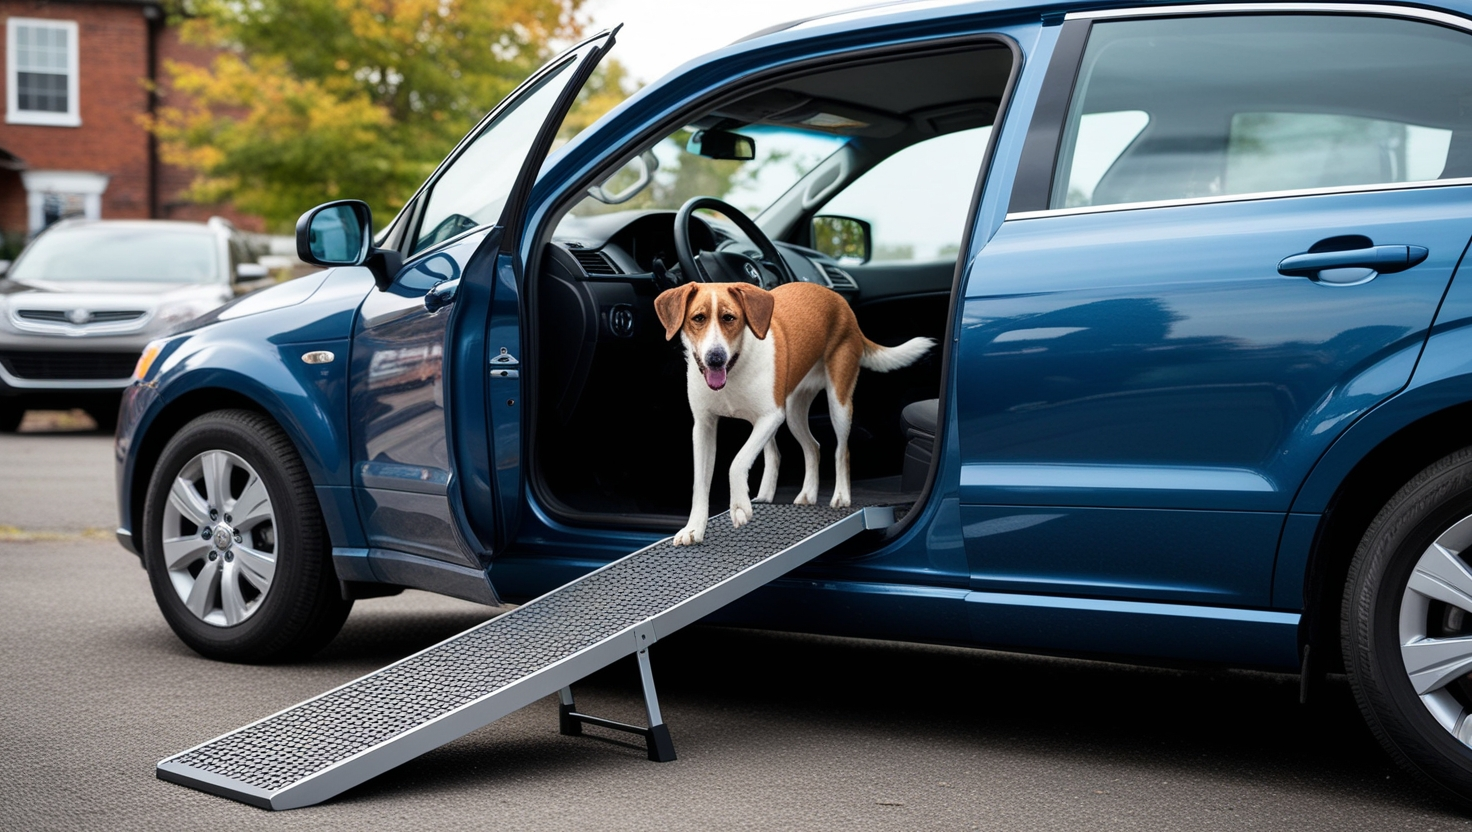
<point x="1363" y="486"/>
<point x="320" y="444"/>
<point x="165" y="424"/>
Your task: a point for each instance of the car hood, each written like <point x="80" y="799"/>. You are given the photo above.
<point x="60" y="294"/>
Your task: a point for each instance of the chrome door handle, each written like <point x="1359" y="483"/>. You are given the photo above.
<point x="441" y="294"/>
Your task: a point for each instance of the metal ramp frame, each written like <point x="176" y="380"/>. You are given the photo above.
<point x="315" y="750"/>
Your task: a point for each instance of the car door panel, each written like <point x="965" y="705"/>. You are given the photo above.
<point x="401" y="462"/>
<point x="1155" y="361"/>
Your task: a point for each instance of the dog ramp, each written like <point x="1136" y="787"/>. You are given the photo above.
<point x="326" y="745"/>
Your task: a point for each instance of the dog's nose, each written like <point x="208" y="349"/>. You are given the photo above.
<point x="715" y="359"/>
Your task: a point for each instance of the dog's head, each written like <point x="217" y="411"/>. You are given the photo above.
<point x="713" y="320"/>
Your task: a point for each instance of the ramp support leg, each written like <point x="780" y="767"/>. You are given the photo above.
<point x="656" y="737"/>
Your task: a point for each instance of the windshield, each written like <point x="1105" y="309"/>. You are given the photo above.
<point x="122" y="254"/>
<point x="783" y="156"/>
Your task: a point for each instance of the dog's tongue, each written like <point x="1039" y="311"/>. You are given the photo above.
<point x="715" y="378"/>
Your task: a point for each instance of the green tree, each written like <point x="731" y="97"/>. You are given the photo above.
<point x="311" y="100"/>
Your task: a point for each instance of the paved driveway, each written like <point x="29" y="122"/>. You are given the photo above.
<point x="773" y="731"/>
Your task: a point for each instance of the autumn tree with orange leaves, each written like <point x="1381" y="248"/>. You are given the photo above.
<point x="312" y="100"/>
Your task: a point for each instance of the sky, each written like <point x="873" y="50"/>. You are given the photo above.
<point x="659" y="35"/>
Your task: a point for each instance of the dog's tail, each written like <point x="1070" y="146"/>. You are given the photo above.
<point x="883" y="359"/>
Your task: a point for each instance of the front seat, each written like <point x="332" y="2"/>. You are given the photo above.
<point x="920" y="419"/>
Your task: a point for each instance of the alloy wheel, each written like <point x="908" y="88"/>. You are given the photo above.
<point x="1435" y="620"/>
<point x="219" y="541"/>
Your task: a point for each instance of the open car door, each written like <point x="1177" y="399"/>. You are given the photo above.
<point x="436" y="393"/>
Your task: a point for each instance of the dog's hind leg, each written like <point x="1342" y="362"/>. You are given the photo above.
<point x="762" y="431"/>
<point x="704" y="439"/>
<point x="771" y="463"/>
<point x="843" y="375"/>
<point x="797" y="422"/>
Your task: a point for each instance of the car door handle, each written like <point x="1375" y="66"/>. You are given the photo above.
<point x="441" y="294"/>
<point x="1381" y="259"/>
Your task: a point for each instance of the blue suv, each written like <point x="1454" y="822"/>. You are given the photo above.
<point x="1202" y="390"/>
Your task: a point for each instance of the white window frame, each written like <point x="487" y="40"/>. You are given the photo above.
<point x="13" y="113"/>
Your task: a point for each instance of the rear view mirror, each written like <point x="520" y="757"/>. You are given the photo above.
<point x="335" y="234"/>
<point x="720" y="144"/>
<point x="849" y="241"/>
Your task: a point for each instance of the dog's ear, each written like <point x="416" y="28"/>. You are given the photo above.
<point x="757" y="303"/>
<point x="670" y="307"/>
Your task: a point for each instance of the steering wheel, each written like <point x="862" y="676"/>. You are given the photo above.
<point x="726" y="266"/>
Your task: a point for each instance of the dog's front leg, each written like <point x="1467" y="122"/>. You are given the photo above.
<point x="762" y="431"/>
<point x="704" y="439"/>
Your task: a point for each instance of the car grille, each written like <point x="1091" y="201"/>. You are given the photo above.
<point x="100" y="316"/>
<point x="69" y="366"/>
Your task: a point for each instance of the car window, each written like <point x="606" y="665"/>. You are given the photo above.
<point x="1182" y="108"/>
<point x="474" y="188"/>
<point x="124" y="253"/>
<point x="917" y="200"/>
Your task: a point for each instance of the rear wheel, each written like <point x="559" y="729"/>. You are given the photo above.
<point x="235" y="546"/>
<point x="1407" y="625"/>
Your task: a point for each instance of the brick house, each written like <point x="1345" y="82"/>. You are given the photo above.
<point x="76" y="80"/>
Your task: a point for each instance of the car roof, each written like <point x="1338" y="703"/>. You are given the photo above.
<point x="914" y="10"/>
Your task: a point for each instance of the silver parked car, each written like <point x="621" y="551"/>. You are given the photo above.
<point x="80" y="302"/>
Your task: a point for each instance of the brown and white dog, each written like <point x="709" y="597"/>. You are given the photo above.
<point x="763" y="357"/>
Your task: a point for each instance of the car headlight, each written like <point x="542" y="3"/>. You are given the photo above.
<point x="186" y="311"/>
<point x="145" y="361"/>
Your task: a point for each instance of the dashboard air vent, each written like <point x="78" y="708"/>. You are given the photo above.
<point x="595" y="262"/>
<point x="840" y="279"/>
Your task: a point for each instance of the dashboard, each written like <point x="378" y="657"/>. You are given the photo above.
<point x="626" y="245"/>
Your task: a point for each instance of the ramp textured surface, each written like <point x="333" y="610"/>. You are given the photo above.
<point x="260" y="761"/>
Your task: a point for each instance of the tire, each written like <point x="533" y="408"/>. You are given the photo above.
<point x="255" y="588"/>
<point x="11" y="416"/>
<point x="1407" y="626"/>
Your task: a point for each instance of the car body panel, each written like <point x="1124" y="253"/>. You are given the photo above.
<point x="401" y="465"/>
<point x="228" y="356"/>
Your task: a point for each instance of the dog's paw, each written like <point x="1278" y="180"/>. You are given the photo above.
<point x="689" y="536"/>
<point x="805" y="499"/>
<point x="740" y="515"/>
<point x="840" y="500"/>
<point x="763" y="498"/>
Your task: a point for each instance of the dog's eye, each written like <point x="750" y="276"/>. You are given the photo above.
<point x="728" y="317"/>
<point x="699" y="319"/>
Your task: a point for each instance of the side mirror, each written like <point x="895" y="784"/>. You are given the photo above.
<point x="722" y="144"/>
<point x="848" y="240"/>
<point x="4" y="267"/>
<point x="335" y="234"/>
<point x="250" y="277"/>
<point x="340" y="234"/>
<point x="251" y="271"/>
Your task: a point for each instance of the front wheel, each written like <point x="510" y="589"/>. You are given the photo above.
<point x="235" y="545"/>
<point x="1407" y="625"/>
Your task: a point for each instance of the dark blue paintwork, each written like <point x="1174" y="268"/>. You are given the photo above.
<point x="1146" y="421"/>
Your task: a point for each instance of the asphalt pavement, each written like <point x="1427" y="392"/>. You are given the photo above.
<point x="773" y="731"/>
